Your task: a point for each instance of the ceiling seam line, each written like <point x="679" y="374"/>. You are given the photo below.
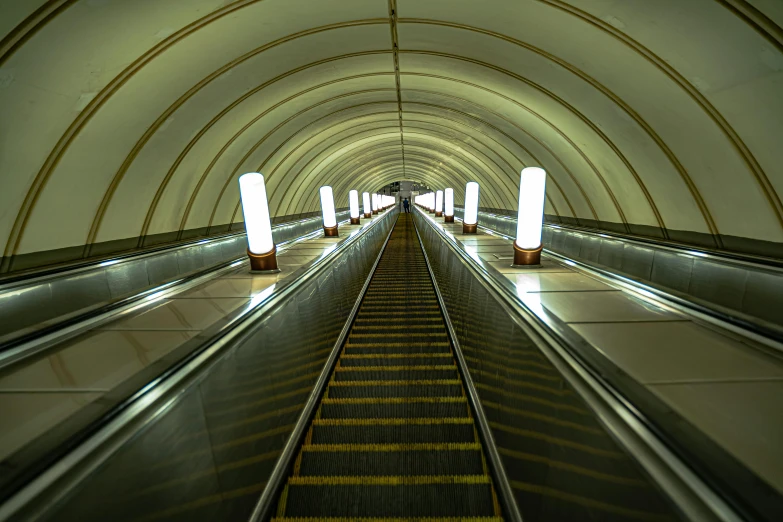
<point x="396" y="58"/>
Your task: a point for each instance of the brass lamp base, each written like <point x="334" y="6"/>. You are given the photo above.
<point x="438" y="214"/>
<point x="374" y="211"/>
<point x="355" y="221"/>
<point x="530" y="258"/>
<point x="448" y="219"/>
<point x="263" y="263"/>
<point x="330" y="231"/>
<point x="469" y="229"/>
<point x="367" y="215"/>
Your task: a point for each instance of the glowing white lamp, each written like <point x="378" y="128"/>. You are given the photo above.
<point x="260" y="245"/>
<point x="448" y="203"/>
<point x="327" y="209"/>
<point x="374" y="203"/>
<point x="367" y="207"/>
<point x="470" y="219"/>
<point x="353" y="204"/>
<point x="439" y="203"/>
<point x="532" y="191"/>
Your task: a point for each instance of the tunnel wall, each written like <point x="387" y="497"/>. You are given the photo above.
<point x="131" y="121"/>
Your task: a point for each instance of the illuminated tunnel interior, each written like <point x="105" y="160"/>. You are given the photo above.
<point x="127" y="124"/>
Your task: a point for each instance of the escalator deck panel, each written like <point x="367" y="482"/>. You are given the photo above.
<point x="394" y="436"/>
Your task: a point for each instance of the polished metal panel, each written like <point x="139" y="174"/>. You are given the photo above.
<point x="555" y="453"/>
<point x="638" y="261"/>
<point x="718" y="283"/>
<point x="707" y="280"/>
<point x="764" y="296"/>
<point x="126" y="279"/>
<point x="25" y="304"/>
<point x="672" y="271"/>
<point x="208" y="455"/>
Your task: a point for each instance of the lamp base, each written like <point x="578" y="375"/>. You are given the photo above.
<point x="374" y="211"/>
<point x="527" y="258"/>
<point x="469" y="229"/>
<point x="330" y="231"/>
<point x="438" y="214"/>
<point x="355" y="221"/>
<point x="448" y="219"/>
<point x="367" y="215"/>
<point x="263" y="263"/>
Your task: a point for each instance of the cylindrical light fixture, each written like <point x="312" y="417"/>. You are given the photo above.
<point x="439" y="203"/>
<point x="367" y="206"/>
<point x="374" y="203"/>
<point x="470" y="219"/>
<point x="353" y="203"/>
<point x="448" y="210"/>
<point x="327" y="210"/>
<point x="260" y="245"/>
<point x="530" y="217"/>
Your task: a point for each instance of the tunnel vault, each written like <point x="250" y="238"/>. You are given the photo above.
<point x="128" y="123"/>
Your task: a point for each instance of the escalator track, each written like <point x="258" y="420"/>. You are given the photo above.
<point x="394" y="435"/>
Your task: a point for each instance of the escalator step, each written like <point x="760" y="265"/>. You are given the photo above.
<point x="391" y="373"/>
<point x="383" y="409"/>
<point x="372" y="497"/>
<point x="358" y="389"/>
<point x="405" y="359"/>
<point x="358" y="347"/>
<point x="329" y="431"/>
<point x="392" y="459"/>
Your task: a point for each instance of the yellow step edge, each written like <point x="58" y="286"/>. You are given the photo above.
<point x="415" y="382"/>
<point x="387" y="519"/>
<point x="394" y="368"/>
<point x="438" y="333"/>
<point x="437" y="326"/>
<point x="407" y="421"/>
<point x="395" y="355"/>
<point x="397" y="345"/>
<point x="396" y="400"/>
<point x="422" y="446"/>
<point x="370" y="480"/>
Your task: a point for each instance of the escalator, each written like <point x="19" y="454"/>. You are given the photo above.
<point x="394" y="434"/>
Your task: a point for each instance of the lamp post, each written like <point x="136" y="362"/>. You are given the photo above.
<point x="327" y="210"/>
<point x="367" y="205"/>
<point x="470" y="219"/>
<point x="530" y="217"/>
<point x="448" y="210"/>
<point x="260" y="245"/>
<point x="353" y="203"/>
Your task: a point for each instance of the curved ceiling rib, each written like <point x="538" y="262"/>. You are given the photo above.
<point x="637" y="125"/>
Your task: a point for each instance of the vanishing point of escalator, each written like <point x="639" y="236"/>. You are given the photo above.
<point x="394" y="434"/>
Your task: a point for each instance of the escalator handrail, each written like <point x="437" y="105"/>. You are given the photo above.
<point x="13" y="281"/>
<point x="265" y="506"/>
<point x="85" y="448"/>
<point x="17" y="346"/>
<point x="673" y="470"/>
<point x="508" y="502"/>
<point x="753" y="261"/>
<point x="766" y="333"/>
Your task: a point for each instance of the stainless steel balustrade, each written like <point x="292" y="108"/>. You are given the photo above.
<point x="534" y="376"/>
<point x="28" y="303"/>
<point x="735" y="287"/>
<point x="200" y="441"/>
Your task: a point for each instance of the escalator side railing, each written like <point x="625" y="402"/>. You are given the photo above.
<point x="32" y="304"/>
<point x="201" y="439"/>
<point x="740" y="290"/>
<point x="573" y="447"/>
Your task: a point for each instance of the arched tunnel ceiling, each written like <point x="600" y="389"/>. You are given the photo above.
<point x="129" y="119"/>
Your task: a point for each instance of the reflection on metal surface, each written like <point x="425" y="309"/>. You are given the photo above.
<point x="562" y="464"/>
<point x="208" y="453"/>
